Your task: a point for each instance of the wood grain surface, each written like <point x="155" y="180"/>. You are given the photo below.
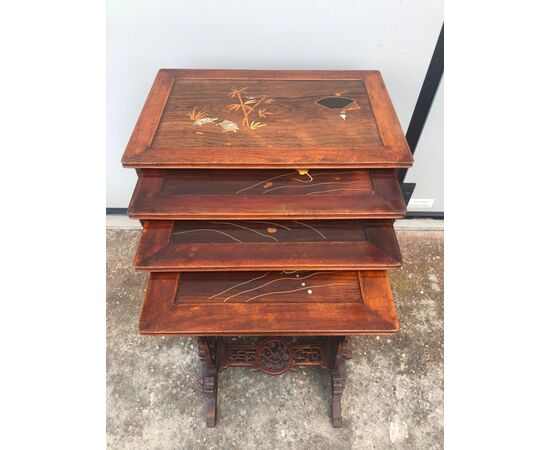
<point x="167" y="246"/>
<point x="217" y="304"/>
<point x="292" y="118"/>
<point x="267" y="119"/>
<point x="267" y="199"/>
<point x="266" y="194"/>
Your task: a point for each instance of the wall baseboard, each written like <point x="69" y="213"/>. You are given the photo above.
<point x="117" y="211"/>
<point x="439" y="215"/>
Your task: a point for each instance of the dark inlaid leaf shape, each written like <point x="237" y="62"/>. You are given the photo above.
<point x="335" y="102"/>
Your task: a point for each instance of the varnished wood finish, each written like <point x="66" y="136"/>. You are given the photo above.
<point x="266" y="194"/>
<point x="167" y="246"/>
<point x="342" y="303"/>
<point x="276" y="119"/>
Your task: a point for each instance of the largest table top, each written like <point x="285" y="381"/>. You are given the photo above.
<point x="267" y="119"/>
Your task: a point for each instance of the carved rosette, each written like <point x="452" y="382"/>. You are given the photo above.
<point x="274" y="356"/>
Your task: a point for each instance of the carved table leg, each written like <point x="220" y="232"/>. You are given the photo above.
<point x="209" y="355"/>
<point x="338" y="379"/>
<point x="340" y="351"/>
<point x="273" y="356"/>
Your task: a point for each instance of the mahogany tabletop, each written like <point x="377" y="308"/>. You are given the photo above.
<point x="280" y="303"/>
<point x="266" y="194"/>
<point x="267" y="119"/>
<point x="168" y="246"/>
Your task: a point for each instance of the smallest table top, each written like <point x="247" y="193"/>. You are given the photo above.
<point x="267" y="119"/>
<point x="277" y="303"/>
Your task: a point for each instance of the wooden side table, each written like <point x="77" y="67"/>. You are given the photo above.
<point x="267" y="200"/>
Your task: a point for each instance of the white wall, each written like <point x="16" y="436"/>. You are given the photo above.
<point x="396" y="37"/>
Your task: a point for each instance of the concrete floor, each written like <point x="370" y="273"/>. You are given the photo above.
<point x="393" y="396"/>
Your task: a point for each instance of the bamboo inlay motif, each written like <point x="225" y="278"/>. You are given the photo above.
<point x="248" y="105"/>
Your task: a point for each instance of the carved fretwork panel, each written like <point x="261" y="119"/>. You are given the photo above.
<point x="274" y="355"/>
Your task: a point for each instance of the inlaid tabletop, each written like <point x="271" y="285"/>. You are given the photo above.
<point x="266" y="194"/>
<point x="197" y="245"/>
<point x="269" y="303"/>
<point x="267" y="119"/>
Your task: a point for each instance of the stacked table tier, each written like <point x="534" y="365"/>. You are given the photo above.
<point x="250" y="119"/>
<point x="267" y="194"/>
<point x="267" y="200"/>
<point x="283" y="303"/>
<point x="243" y="252"/>
<point x="210" y="245"/>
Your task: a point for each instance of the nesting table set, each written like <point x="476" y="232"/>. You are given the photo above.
<point x="267" y="200"/>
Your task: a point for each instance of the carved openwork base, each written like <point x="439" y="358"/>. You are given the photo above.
<point x="274" y="356"/>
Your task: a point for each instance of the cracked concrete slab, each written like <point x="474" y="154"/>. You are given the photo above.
<point x="393" y="396"/>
